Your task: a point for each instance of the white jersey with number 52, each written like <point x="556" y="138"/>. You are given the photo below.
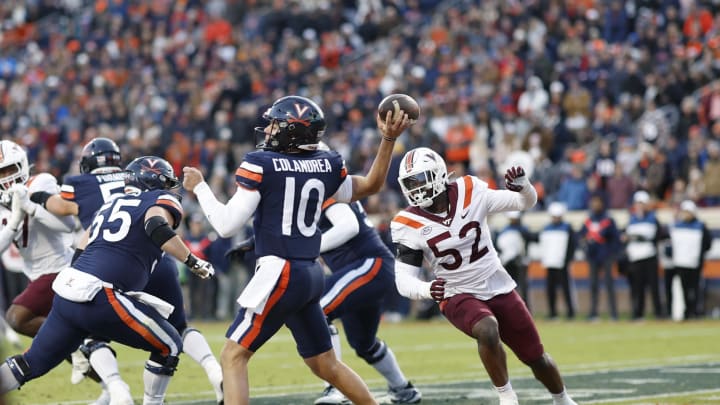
<point x="458" y="244"/>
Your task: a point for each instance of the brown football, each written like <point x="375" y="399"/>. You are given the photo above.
<point x="400" y="102"/>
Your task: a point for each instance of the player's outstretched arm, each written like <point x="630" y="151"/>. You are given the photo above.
<point x="344" y="226"/>
<point x="520" y="194"/>
<point x="227" y="219"/>
<point x="55" y="204"/>
<point x="157" y="227"/>
<point x="390" y="128"/>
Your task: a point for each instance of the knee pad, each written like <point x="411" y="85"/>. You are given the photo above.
<point x="92" y="345"/>
<point x="376" y="352"/>
<point x="162" y="365"/>
<point x="19" y="367"/>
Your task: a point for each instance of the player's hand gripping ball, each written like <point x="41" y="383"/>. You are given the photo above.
<point x="398" y="103"/>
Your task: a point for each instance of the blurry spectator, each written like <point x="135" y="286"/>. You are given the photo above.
<point x="690" y="241"/>
<point x="604" y="163"/>
<point x="576" y="105"/>
<point x="600" y="237"/>
<point x="641" y="236"/>
<point x="488" y="130"/>
<point x="534" y="100"/>
<point x="711" y="175"/>
<point x="619" y="189"/>
<point x="511" y="244"/>
<point x="557" y="247"/>
<point x="573" y="190"/>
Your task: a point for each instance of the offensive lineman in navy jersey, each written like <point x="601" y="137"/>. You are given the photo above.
<point x="82" y="195"/>
<point x="99" y="295"/>
<point x="284" y="185"/>
<point x="362" y="274"/>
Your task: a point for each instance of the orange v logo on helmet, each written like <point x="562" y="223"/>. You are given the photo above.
<point x="152" y="168"/>
<point x="409" y="161"/>
<point x="300" y="111"/>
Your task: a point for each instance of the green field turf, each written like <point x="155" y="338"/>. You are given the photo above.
<point x="604" y="363"/>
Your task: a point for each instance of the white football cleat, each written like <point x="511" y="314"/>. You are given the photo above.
<point x="80" y="366"/>
<point x="120" y="393"/>
<point x="331" y="396"/>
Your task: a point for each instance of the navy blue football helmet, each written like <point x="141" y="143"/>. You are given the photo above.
<point x="151" y="173"/>
<point x="100" y="152"/>
<point x="301" y="124"/>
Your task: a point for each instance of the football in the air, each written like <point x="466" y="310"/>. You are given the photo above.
<point x="400" y="102"/>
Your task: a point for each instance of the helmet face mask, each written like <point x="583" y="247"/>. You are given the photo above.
<point x="295" y="123"/>
<point x="423" y="176"/>
<point x="14" y="167"/>
<point x="151" y="173"/>
<point x="99" y="153"/>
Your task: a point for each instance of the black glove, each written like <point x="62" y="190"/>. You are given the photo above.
<point x="238" y="251"/>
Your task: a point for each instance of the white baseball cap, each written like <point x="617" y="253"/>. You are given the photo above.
<point x="557" y="209"/>
<point x="688" y="206"/>
<point x="641" y="197"/>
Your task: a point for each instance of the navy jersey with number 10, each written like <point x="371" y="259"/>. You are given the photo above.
<point x="119" y="251"/>
<point x="90" y="191"/>
<point x="294" y="186"/>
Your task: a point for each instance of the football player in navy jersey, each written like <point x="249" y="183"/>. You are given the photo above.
<point x="284" y="185"/>
<point x="82" y="195"/>
<point x="362" y="274"/>
<point x="100" y="295"/>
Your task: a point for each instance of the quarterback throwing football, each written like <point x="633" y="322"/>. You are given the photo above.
<point x="446" y="225"/>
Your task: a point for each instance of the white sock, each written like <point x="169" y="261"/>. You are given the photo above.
<point x="506" y="390"/>
<point x="155" y="386"/>
<point x="105" y="365"/>
<point x="562" y="398"/>
<point x="196" y="346"/>
<point x="390" y="369"/>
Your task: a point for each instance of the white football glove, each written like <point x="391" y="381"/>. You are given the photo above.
<point x="17" y="214"/>
<point x="20" y="193"/>
<point x="200" y="267"/>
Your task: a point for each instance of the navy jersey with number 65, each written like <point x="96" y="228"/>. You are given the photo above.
<point x="119" y="251"/>
<point x="90" y="191"/>
<point x="292" y="189"/>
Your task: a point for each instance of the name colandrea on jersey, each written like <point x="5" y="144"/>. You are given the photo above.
<point x="104" y="178"/>
<point x="305" y="166"/>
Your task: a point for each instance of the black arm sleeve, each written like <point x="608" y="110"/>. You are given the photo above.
<point x="409" y="256"/>
<point x="158" y="230"/>
<point x="40" y="197"/>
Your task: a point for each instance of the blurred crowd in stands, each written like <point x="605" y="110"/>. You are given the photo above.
<point x="593" y="97"/>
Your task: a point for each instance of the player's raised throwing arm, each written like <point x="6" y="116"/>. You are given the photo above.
<point x="362" y="186"/>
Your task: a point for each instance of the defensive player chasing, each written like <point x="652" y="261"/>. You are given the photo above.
<point x="446" y="224"/>
<point x="100" y="178"/>
<point x="284" y="185"/>
<point x="42" y="239"/>
<point x="100" y="294"/>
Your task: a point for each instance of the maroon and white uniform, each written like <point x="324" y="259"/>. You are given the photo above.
<point x="458" y="246"/>
<point x="44" y="242"/>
